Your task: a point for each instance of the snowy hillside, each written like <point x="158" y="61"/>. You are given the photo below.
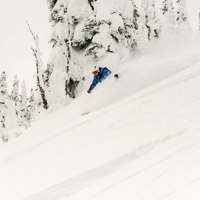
<point x="141" y="140"/>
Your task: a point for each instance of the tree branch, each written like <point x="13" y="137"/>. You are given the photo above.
<point x="42" y="91"/>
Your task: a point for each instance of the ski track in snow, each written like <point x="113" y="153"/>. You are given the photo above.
<point x="84" y="180"/>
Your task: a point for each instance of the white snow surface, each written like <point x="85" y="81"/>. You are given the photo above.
<point x="140" y="140"/>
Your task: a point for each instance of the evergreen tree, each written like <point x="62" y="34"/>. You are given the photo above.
<point x="142" y="33"/>
<point x="4" y="106"/>
<point x="15" y="96"/>
<point x="23" y="108"/>
<point x="168" y="21"/>
<point x="68" y="18"/>
<point x="130" y="27"/>
<point x="110" y="31"/>
<point x="78" y="13"/>
<point x="56" y="73"/>
<point x="3" y="97"/>
<point x="135" y="15"/>
<point x="182" y="17"/>
<point x="32" y="105"/>
<point x="3" y="87"/>
<point x="152" y="22"/>
<point x="47" y="74"/>
<point x="15" y="91"/>
<point x="38" y="106"/>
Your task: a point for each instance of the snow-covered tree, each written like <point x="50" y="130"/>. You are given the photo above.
<point x="168" y="23"/>
<point x="3" y="106"/>
<point x="182" y="17"/>
<point x="68" y="18"/>
<point x="3" y="88"/>
<point x="109" y="28"/>
<point x="47" y="74"/>
<point x="38" y="106"/>
<point x="3" y="97"/>
<point x="15" y="90"/>
<point x="23" y="108"/>
<point x="7" y="108"/>
<point x="77" y="15"/>
<point x="142" y="33"/>
<point x="56" y="73"/>
<point x="152" y="22"/>
<point x="31" y="106"/>
<point x="135" y="15"/>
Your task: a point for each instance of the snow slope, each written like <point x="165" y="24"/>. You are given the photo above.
<point x="141" y="140"/>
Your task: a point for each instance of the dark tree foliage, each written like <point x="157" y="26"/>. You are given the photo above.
<point x="52" y="3"/>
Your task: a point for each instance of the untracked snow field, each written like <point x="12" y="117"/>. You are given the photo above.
<point x="140" y="141"/>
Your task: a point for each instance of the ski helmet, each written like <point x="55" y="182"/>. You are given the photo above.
<point x="95" y="69"/>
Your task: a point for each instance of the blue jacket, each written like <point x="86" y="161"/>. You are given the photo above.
<point x="103" y="74"/>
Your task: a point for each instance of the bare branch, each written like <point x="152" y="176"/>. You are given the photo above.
<point x="39" y="79"/>
<point x="31" y="30"/>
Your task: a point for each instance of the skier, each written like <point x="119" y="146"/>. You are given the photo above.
<point x="99" y="75"/>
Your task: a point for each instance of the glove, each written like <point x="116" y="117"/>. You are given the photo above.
<point x="116" y="76"/>
<point x="89" y="91"/>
